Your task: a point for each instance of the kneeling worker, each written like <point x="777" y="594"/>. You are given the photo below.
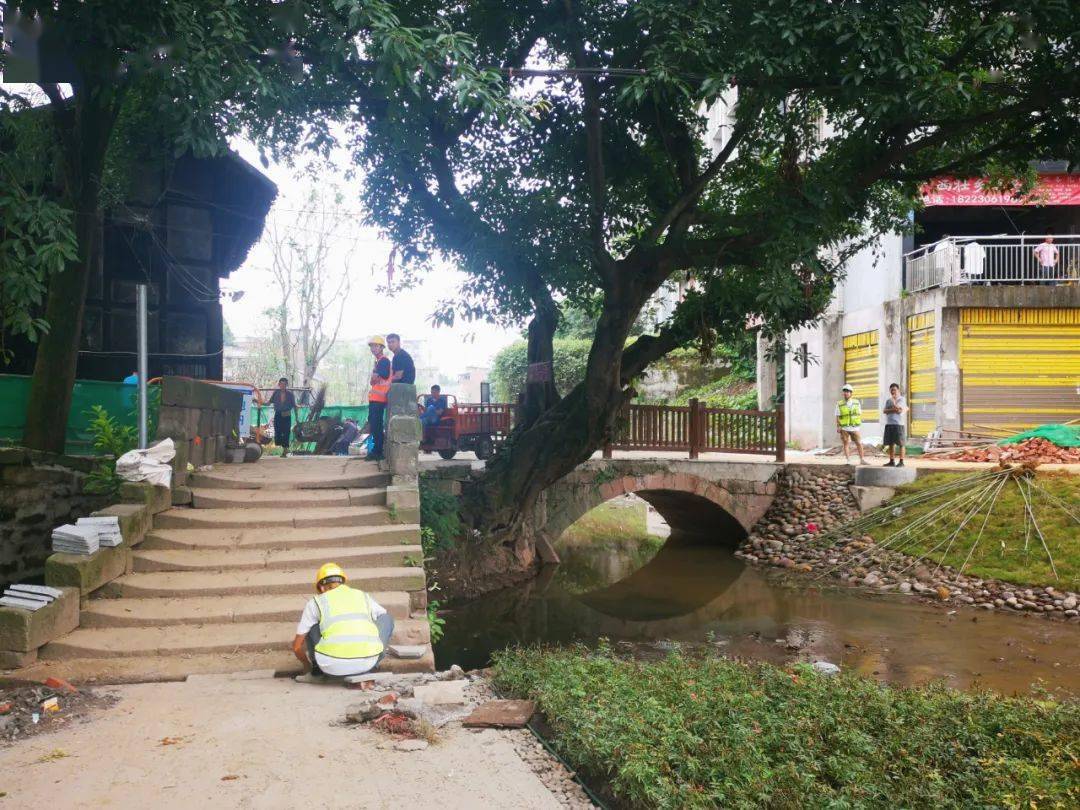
<point x="342" y="631"/>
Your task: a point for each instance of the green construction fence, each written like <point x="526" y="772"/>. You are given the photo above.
<point x="117" y="398"/>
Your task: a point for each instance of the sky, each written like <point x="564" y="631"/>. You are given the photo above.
<point x="367" y="311"/>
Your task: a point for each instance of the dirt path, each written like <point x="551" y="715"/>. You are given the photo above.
<point x="266" y="743"/>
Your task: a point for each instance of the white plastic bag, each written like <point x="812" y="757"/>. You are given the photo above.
<point x="151" y="464"/>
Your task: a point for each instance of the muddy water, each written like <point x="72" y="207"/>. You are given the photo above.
<point x="704" y="599"/>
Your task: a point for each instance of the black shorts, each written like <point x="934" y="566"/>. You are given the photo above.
<point x="894" y="434"/>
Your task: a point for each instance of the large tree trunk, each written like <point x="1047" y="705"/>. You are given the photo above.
<point x="501" y="502"/>
<point x="85" y="137"/>
<point x="58" y="350"/>
<point x="541" y="395"/>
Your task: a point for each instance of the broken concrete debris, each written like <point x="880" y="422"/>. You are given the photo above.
<point x="407" y="650"/>
<point x="501" y="714"/>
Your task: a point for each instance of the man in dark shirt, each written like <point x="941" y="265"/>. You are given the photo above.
<point x="404" y="367"/>
<point x="434" y="406"/>
<point x="284" y="404"/>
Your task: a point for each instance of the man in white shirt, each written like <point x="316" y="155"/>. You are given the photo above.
<point x="342" y="631"/>
<point x="1046" y="252"/>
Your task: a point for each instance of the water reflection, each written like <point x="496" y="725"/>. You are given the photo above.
<point x="702" y="597"/>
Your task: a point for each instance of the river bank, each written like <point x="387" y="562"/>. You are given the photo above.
<point x="802" y="532"/>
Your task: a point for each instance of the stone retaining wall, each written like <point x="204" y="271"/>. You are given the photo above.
<point x="200" y="418"/>
<point x="38" y="491"/>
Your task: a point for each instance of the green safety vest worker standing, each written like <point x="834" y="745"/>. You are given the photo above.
<point x="848" y="420"/>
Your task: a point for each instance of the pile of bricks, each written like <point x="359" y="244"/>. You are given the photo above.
<point x="1035" y="451"/>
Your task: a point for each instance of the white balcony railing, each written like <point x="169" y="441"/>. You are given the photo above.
<point x="992" y="260"/>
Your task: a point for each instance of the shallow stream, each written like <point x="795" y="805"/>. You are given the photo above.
<point x="701" y="597"/>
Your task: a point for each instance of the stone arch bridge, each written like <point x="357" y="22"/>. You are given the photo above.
<point x="713" y="498"/>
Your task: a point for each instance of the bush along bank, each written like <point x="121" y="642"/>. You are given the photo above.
<point x="824" y="501"/>
<point x="712" y="732"/>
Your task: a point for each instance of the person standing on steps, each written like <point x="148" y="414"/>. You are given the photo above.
<point x="894" y="410"/>
<point x="403" y="366"/>
<point x="284" y="404"/>
<point x="342" y="631"/>
<point x="378" y="394"/>
<point x="848" y="420"/>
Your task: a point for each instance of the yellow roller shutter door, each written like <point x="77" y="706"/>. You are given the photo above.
<point x="861" y="371"/>
<point x="922" y="374"/>
<point x="1021" y="367"/>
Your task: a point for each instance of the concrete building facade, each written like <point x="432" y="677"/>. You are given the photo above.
<point x="975" y="314"/>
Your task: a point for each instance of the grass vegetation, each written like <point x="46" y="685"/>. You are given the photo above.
<point x="612" y="523"/>
<point x="1001" y="552"/>
<point x="710" y="732"/>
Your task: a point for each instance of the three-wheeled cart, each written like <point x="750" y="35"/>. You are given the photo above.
<point x="479" y="427"/>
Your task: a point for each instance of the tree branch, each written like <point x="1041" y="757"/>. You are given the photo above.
<point x="594" y="155"/>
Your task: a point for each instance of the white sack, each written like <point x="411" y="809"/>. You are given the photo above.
<point x="151" y="464"/>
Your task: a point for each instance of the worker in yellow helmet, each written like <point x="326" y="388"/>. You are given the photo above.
<point x="342" y="631"/>
<point x="378" y="394"/>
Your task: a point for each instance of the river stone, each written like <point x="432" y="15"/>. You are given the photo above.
<point x="905" y="587"/>
<point x="826" y="668"/>
<point x="1069" y="603"/>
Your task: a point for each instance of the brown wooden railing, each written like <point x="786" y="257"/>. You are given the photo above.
<point x="696" y="429"/>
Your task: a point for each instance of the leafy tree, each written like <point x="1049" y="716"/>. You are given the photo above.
<point x="602" y="183"/>
<point x="36" y="236"/>
<point x="312" y="278"/>
<point x="201" y="70"/>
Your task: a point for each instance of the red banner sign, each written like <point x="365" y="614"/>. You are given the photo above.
<point x="1052" y="189"/>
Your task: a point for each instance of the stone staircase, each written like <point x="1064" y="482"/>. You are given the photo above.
<point x="219" y="586"/>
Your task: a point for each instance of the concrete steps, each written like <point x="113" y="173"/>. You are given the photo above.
<point x="253" y="583"/>
<point x="171" y="611"/>
<point x="148" y="669"/>
<point x="267" y="518"/>
<point x="293" y="474"/>
<point x="220" y="539"/>
<point x="290" y="558"/>
<point x="208" y="639"/>
<point x="218" y="587"/>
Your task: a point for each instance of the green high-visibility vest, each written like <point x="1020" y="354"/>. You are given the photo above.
<point x="348" y="631"/>
<point x="850" y="412"/>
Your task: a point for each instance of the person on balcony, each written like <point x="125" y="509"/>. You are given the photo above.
<point x="1047" y="255"/>
<point x="848" y="421"/>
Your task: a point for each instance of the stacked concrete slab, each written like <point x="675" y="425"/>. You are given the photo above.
<point x="219" y="586"/>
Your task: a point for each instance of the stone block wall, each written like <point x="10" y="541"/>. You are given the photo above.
<point x="38" y="491"/>
<point x="200" y="418"/>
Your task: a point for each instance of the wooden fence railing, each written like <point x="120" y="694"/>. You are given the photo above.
<point x="696" y="429"/>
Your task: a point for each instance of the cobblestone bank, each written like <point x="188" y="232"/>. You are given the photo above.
<point x="783" y="538"/>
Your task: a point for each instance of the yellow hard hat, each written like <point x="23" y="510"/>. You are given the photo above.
<point x="330" y="570"/>
<point x="377" y="340"/>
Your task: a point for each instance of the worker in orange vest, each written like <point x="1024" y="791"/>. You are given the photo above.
<point x="378" y="394"/>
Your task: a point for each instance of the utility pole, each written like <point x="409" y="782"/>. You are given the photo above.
<point x="140" y="318"/>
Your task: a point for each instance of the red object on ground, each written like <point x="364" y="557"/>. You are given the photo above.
<point x="5" y="708"/>
<point x="60" y="683"/>
<point x="811" y="527"/>
<point x="1036" y="450"/>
